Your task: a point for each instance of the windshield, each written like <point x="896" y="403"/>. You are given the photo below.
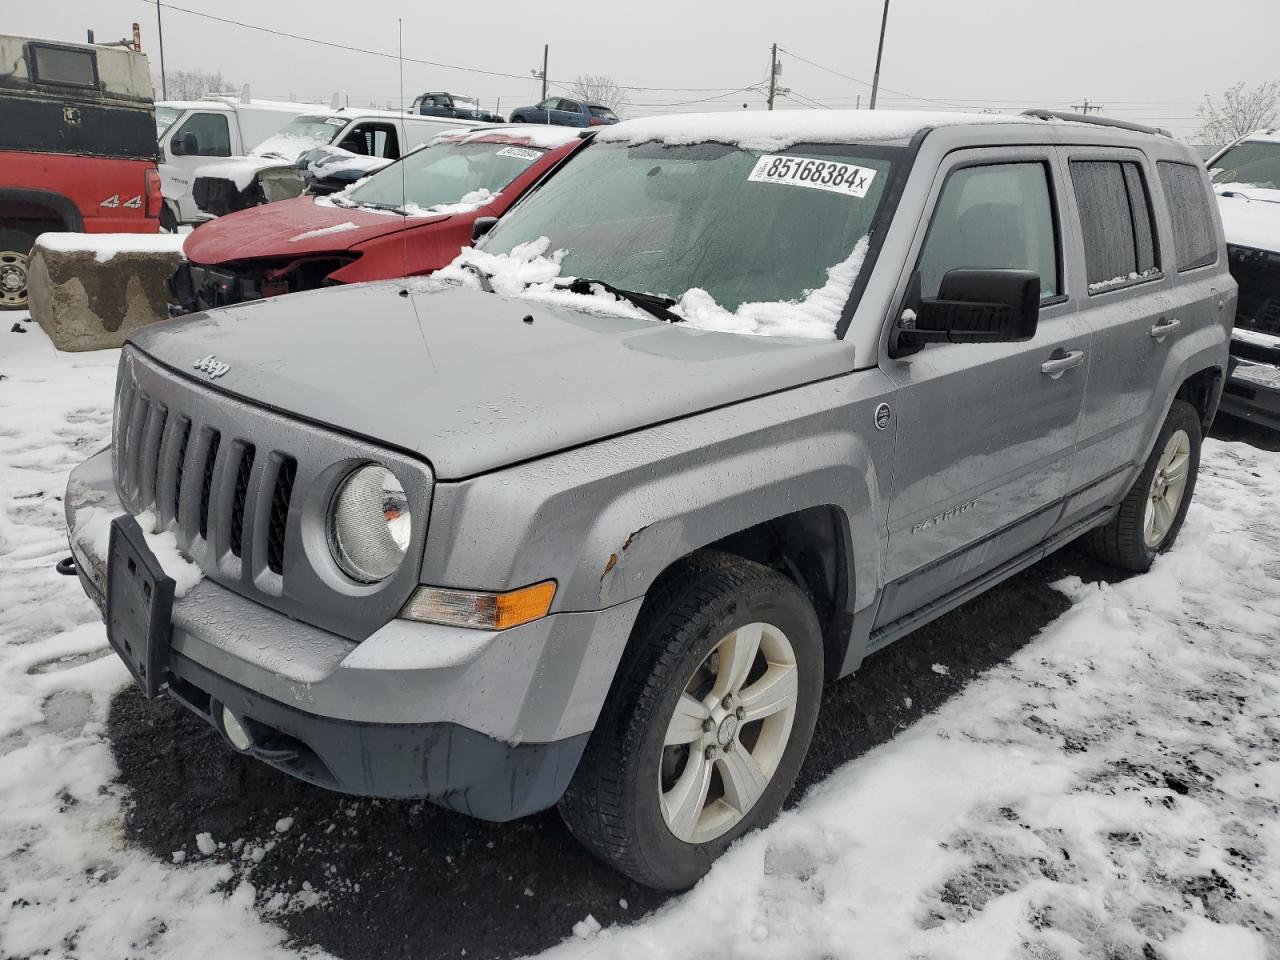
<point x="744" y="226"/>
<point x="165" y="116"/>
<point x="446" y="173"/>
<point x="1254" y="163"/>
<point x="319" y="129"/>
<point x="467" y="103"/>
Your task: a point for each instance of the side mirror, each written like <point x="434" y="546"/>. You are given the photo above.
<point x="480" y="226"/>
<point x="975" y="306"/>
<point x="185" y="145"/>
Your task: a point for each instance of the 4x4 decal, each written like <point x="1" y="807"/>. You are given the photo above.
<point x="113" y="201"/>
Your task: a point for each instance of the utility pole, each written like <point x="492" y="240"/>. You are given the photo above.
<point x="546" y="47"/>
<point x="164" y="91"/>
<point x="1086" y="107"/>
<point x="875" y="81"/>
<point x="773" y="72"/>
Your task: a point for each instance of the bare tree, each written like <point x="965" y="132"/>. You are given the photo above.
<point x="194" y="84"/>
<point x="601" y="89"/>
<point x="1240" y="111"/>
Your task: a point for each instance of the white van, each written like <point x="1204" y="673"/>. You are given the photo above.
<point x="192" y="132"/>
<point x="270" y="171"/>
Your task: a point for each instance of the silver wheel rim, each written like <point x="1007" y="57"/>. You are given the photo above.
<point x="13" y="278"/>
<point x="1168" y="484"/>
<point x="728" y="733"/>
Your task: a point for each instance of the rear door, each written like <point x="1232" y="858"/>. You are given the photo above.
<point x="569" y="113"/>
<point x="1134" y="311"/>
<point x="985" y="431"/>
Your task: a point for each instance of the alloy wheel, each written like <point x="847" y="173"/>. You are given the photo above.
<point x="728" y="733"/>
<point x="1168" y="484"/>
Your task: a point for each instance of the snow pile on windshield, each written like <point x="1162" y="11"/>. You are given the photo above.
<point x="467" y="203"/>
<point x="529" y="273"/>
<point x="784" y="128"/>
<point x="104" y="246"/>
<point x="286" y="146"/>
<point x="547" y="136"/>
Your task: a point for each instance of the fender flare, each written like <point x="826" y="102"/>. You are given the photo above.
<point x="61" y="205"/>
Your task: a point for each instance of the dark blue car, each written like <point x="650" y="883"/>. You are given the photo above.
<point x="566" y="113"/>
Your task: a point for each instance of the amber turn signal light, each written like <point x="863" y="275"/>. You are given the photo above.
<point x="480" y="611"/>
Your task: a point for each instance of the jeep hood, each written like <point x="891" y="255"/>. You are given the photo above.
<point x="1251" y="218"/>
<point x="460" y="377"/>
<point x="291" y="228"/>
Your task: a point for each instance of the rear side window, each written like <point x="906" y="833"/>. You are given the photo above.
<point x="997" y="216"/>
<point x="603" y="113"/>
<point x="1194" y="239"/>
<point x="1119" y="226"/>
<point x="64" y="66"/>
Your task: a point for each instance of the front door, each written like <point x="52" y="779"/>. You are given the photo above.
<point x="210" y="136"/>
<point x="985" y="431"/>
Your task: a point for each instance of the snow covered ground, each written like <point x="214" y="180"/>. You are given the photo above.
<point x="1112" y="792"/>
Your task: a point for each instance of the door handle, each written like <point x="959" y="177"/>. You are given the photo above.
<point x="1165" y="326"/>
<point x="1057" y="366"/>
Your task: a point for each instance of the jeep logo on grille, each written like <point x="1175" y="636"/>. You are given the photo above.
<point x="212" y="366"/>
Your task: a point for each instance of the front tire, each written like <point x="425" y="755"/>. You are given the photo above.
<point x="706" y="725"/>
<point x="1153" y="510"/>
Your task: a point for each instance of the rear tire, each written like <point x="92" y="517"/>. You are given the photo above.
<point x="707" y="722"/>
<point x="15" y="259"/>
<point x="1153" y="510"/>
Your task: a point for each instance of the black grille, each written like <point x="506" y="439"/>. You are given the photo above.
<point x="209" y="461"/>
<point x="237" y="502"/>
<point x="182" y="459"/>
<point x="280" y="514"/>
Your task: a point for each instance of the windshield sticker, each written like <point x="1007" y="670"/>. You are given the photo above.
<point x="520" y="153"/>
<point x="832" y="175"/>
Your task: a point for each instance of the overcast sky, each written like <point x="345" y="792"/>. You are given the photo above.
<point x="1141" y="59"/>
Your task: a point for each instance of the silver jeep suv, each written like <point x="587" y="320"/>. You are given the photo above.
<point x="571" y="528"/>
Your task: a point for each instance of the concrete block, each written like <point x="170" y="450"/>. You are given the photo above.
<point x="90" y="291"/>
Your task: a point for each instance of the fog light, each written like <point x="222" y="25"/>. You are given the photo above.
<point x="235" y="731"/>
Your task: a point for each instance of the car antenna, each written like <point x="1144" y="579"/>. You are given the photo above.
<point x="404" y="143"/>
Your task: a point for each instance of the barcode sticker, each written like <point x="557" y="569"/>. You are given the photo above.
<point x="831" y="175"/>
<point x="520" y="153"/>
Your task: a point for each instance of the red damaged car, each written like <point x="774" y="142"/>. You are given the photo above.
<point x="409" y="218"/>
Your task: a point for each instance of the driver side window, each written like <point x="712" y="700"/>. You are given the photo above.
<point x="993" y="216"/>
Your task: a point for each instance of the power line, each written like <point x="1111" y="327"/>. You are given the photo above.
<point x="391" y="56"/>
<point x="846" y="76"/>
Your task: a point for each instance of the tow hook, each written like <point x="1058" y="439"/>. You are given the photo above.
<point x="66" y="566"/>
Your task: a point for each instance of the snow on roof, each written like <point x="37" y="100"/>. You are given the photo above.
<point x="756" y="130"/>
<point x="1263" y="136"/>
<point x="544" y="135"/>
<point x="104" y="246"/>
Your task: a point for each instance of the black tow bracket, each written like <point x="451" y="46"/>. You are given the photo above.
<point x="66" y="566"/>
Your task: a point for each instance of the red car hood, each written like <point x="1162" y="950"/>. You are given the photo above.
<point x="288" y="228"/>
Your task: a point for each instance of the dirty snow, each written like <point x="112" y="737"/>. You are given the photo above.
<point x="1109" y="793"/>
<point x="104" y="246"/>
<point x="528" y="272"/>
<point x="755" y="130"/>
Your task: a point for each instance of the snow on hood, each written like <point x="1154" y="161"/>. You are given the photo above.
<point x="784" y="128"/>
<point x="240" y="170"/>
<point x="332" y="159"/>
<point x="1251" y="221"/>
<point x="529" y="274"/>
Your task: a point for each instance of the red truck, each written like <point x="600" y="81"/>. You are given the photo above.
<point x="407" y="219"/>
<point x="77" y="148"/>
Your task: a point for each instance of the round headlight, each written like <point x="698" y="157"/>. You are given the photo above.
<point x="369" y="524"/>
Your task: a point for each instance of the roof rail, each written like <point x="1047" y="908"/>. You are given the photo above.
<point x="1099" y="121"/>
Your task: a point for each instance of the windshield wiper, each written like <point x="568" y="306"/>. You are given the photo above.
<point x="652" y="304"/>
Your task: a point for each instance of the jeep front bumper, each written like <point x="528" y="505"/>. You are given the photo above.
<point x="491" y="724"/>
